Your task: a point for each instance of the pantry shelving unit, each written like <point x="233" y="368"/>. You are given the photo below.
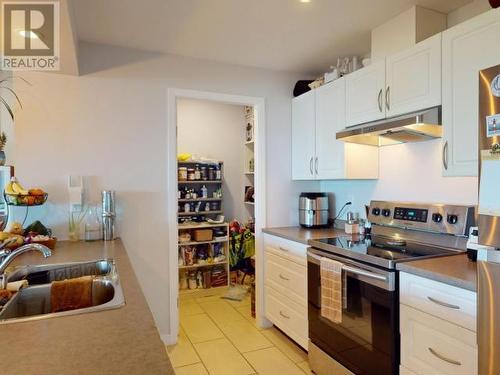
<point x="200" y="200"/>
<point x="200" y="213"/>
<point x="196" y="274"/>
<point x="249" y="159"/>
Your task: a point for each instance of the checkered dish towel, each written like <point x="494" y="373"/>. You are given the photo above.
<point x="331" y="290"/>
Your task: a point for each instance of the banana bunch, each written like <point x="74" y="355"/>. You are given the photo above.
<point x="15" y="188"/>
<point x="11" y="240"/>
<point x="184" y="156"/>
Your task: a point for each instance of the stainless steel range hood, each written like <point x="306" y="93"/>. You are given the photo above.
<point x="413" y="127"/>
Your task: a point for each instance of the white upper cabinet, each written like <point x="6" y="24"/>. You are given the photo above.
<point x="467" y="48"/>
<point x="330" y="118"/>
<point x="365" y="94"/>
<point x="326" y="158"/>
<point x="303" y="130"/>
<point x="405" y="82"/>
<point x="413" y="78"/>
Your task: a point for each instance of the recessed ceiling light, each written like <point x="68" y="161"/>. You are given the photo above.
<point x="305" y="1"/>
<point x="28" y="34"/>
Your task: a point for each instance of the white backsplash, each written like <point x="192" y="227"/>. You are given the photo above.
<point x="408" y="172"/>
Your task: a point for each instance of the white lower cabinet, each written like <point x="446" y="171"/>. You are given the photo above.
<point x="285" y="287"/>
<point x="441" y="300"/>
<point x="287" y="315"/>
<point x="430" y="345"/>
<point x="432" y="320"/>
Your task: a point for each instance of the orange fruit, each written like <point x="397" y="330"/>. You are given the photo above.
<point x="36" y="191"/>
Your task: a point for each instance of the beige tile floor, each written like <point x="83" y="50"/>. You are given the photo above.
<point x="220" y="337"/>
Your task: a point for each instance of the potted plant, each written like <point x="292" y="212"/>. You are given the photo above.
<point x="3" y="88"/>
<point x="3" y="142"/>
<point x="4" y="102"/>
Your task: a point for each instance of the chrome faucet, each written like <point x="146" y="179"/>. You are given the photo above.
<point x="6" y="257"/>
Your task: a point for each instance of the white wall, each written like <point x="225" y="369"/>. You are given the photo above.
<point x="216" y="130"/>
<point x="110" y="123"/>
<point x="470" y="10"/>
<point x="6" y="124"/>
<point x="408" y="172"/>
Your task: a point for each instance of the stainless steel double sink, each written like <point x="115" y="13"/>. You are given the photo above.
<point x="33" y="302"/>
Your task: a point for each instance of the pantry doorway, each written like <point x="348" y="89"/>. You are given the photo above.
<point x="195" y="193"/>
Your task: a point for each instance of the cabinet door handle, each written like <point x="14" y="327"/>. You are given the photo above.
<point x="445" y="155"/>
<point x="284" y="315"/>
<point x="444" y="304"/>
<point x="380" y="100"/>
<point x="283" y="249"/>
<point x="388" y="98"/>
<point x="443" y="358"/>
<point x="316" y="165"/>
<point x="311" y="166"/>
<point x="284" y="278"/>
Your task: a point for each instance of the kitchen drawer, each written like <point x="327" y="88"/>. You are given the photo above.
<point x="432" y="346"/>
<point x="286" y="277"/>
<point x="441" y="300"/>
<point x="294" y="251"/>
<point x="287" y="315"/>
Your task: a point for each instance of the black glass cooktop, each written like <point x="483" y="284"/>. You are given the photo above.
<point x="380" y="250"/>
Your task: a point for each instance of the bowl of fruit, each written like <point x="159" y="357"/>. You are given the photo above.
<point x="36" y="232"/>
<point x="16" y="195"/>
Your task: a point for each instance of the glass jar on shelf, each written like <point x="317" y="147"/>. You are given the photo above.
<point x="197" y="172"/>
<point x="93" y="226"/>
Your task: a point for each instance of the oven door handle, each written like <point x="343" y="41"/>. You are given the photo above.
<point x="361" y="272"/>
<point x="354" y="270"/>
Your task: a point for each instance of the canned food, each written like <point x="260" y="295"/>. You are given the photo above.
<point x="204" y="173"/>
<point x="211" y="173"/>
<point x="182" y="174"/>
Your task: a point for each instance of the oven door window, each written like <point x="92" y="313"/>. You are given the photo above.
<point x="366" y="340"/>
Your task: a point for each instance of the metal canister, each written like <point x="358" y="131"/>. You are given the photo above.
<point x="108" y="215"/>
<point x="108" y="202"/>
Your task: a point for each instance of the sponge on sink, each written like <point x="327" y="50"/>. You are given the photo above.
<point x="16" y="285"/>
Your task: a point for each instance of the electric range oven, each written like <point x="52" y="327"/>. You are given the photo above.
<point x="366" y="342"/>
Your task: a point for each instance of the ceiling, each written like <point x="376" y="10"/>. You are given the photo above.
<point x="273" y="34"/>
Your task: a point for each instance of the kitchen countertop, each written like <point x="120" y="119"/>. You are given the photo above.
<point x="455" y="270"/>
<point x="121" y="341"/>
<point x="303" y="235"/>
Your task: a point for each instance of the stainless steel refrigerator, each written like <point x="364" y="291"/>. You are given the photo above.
<point x="488" y="317"/>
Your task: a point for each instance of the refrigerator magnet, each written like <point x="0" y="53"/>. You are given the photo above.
<point x="493" y="125"/>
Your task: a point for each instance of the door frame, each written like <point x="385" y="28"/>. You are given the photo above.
<point x="260" y="196"/>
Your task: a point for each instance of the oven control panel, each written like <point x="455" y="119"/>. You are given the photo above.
<point x="411" y="214"/>
<point x="439" y="218"/>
